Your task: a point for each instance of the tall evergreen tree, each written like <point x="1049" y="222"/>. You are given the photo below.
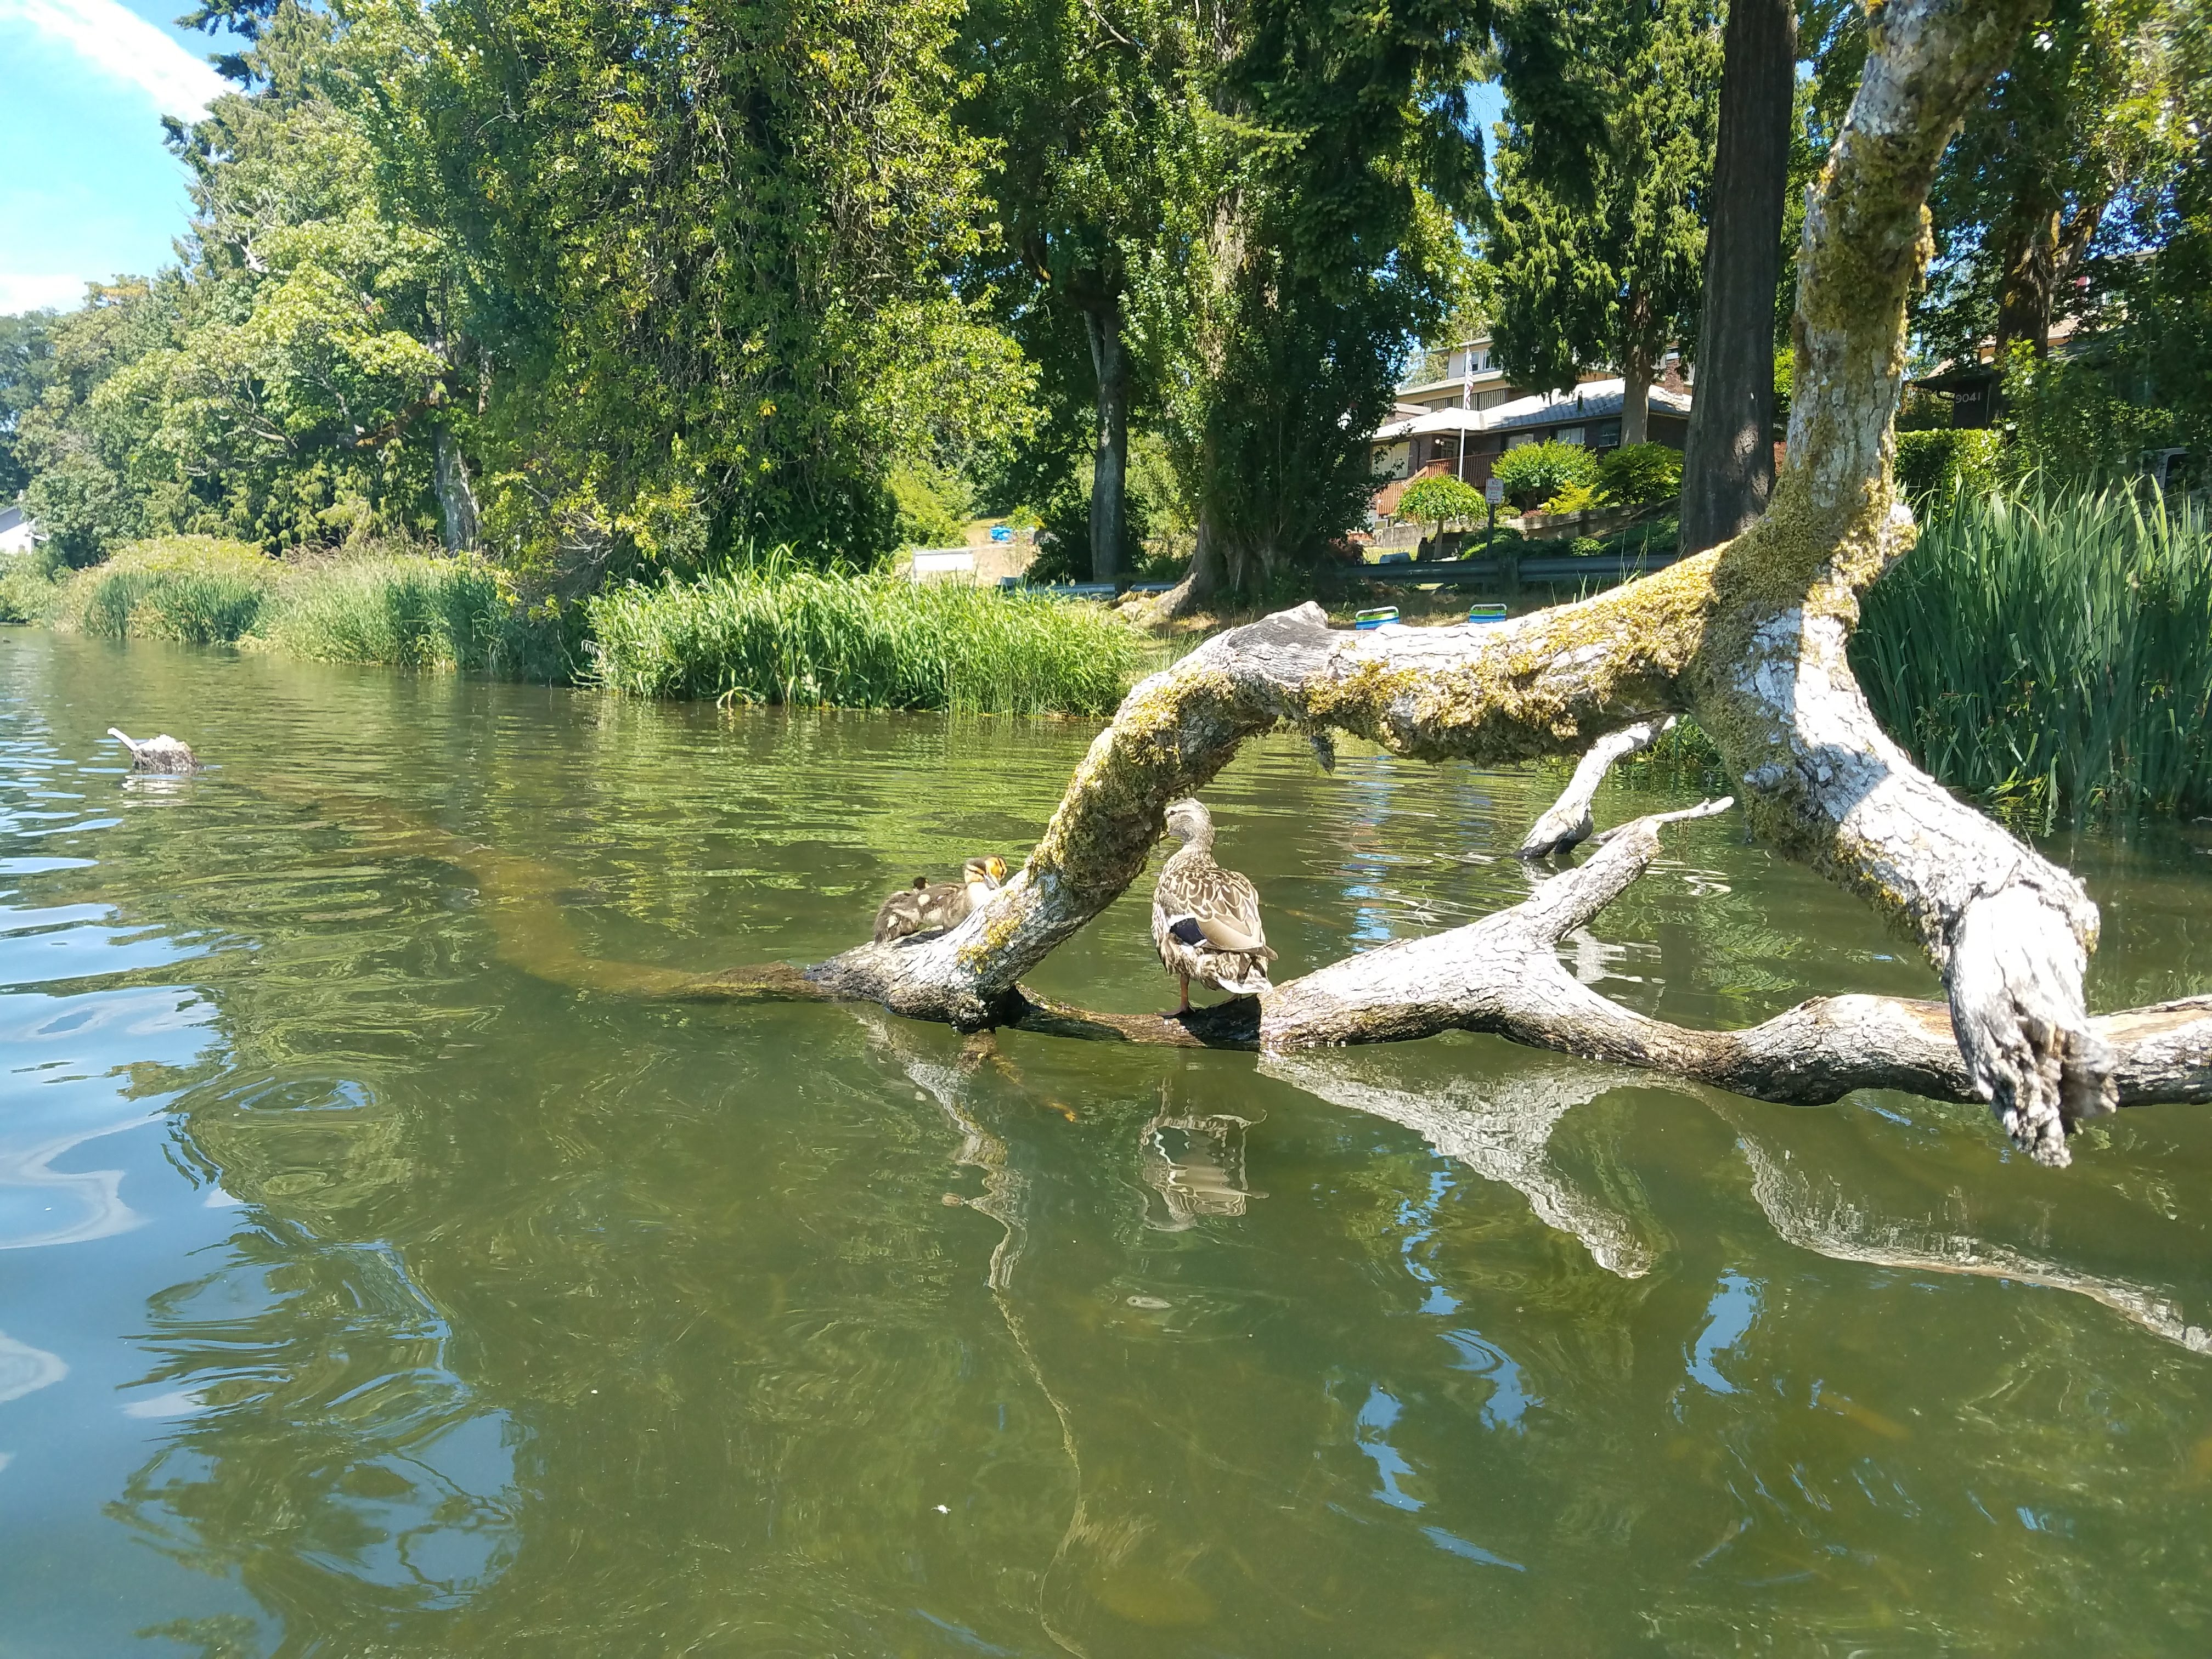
<point x="1086" y="103"/>
<point x="1602" y="270"/>
<point x="1727" y="461"/>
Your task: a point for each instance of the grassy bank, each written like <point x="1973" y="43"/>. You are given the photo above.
<point x="774" y="633"/>
<point x="403" y="609"/>
<point x="770" y="632"/>
<point x="2052" y="654"/>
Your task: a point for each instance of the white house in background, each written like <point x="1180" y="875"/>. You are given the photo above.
<point x="1454" y="425"/>
<point x="18" y="533"/>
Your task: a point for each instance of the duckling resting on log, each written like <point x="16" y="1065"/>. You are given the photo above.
<point x="161" y="754"/>
<point x="1206" y="919"/>
<point x="926" y="908"/>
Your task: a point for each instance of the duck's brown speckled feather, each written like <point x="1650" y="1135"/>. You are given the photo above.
<point x="1232" y="951"/>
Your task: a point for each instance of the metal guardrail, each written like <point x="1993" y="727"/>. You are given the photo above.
<point x="1537" y="568"/>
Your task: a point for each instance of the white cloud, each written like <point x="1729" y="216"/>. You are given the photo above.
<point x="121" y="43"/>
<point x="36" y="290"/>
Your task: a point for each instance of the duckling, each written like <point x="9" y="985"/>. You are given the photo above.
<point x="1206" y="919"/>
<point x="924" y="908"/>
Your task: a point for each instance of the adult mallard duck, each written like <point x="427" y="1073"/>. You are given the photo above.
<point x="929" y="908"/>
<point x="1206" y="919"/>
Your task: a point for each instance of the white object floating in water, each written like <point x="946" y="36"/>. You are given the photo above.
<point x="161" y="754"/>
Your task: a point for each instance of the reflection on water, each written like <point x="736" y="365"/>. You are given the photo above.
<point x="392" y="1267"/>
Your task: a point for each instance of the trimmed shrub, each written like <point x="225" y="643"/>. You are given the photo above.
<point x="1934" y="465"/>
<point x="1440" y="501"/>
<point x="1537" y="472"/>
<point x="1636" y="475"/>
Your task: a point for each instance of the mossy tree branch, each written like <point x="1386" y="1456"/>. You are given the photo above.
<point x="1749" y="639"/>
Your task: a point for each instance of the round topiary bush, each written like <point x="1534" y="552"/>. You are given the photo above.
<point x="1636" y="475"/>
<point x="1441" y="501"/>
<point x="1534" y="473"/>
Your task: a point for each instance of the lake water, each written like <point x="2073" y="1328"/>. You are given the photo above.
<point x="393" y="1267"/>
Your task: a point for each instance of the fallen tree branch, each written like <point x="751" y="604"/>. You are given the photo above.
<point x="1750" y="639"/>
<point x="1568" y="823"/>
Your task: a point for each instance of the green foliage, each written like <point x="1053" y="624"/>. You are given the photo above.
<point x="411" y="611"/>
<point x="1636" y="475"/>
<point x="29" y="591"/>
<point x="1601" y="263"/>
<point x="2052" y="653"/>
<point x="26" y="358"/>
<point x="1533" y="473"/>
<point x="931" y="505"/>
<point x="1933" y="465"/>
<point x="1441" y="502"/>
<point x="2046" y="169"/>
<point x="196" y="590"/>
<point x="716" y="250"/>
<point x="2073" y="422"/>
<point x="774" y="633"/>
<point x="401" y="608"/>
<point x="1573" y="498"/>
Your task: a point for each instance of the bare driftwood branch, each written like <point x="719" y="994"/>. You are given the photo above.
<point x="1568" y="823"/>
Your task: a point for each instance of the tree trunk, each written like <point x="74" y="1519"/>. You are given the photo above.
<point x="1109" y="465"/>
<point x="457" y="501"/>
<point x="1635" y="398"/>
<point x="1748" y="638"/>
<point x="1727" y="466"/>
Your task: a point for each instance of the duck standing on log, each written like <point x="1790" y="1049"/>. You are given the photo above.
<point x="1206" y="919"/>
<point x="924" y="908"/>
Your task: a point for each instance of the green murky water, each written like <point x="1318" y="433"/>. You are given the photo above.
<point x="389" y="1271"/>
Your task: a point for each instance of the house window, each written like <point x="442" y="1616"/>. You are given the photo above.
<point x="1514" y="440"/>
<point x="1570" y="435"/>
<point x="1491" y="399"/>
<point x="1607" y="436"/>
<point x="1397" y="461"/>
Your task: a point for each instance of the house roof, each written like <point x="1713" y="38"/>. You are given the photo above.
<point x="10" y="518"/>
<point x="1592" y="400"/>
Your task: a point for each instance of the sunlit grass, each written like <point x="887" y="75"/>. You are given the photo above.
<point x="2052" y="653"/>
<point x="773" y="632"/>
<point x="403" y="609"/>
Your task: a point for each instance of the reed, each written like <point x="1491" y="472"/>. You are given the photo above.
<point x="772" y="632"/>
<point x="403" y="609"/>
<point x="411" y="611"/>
<point x="2051" y="652"/>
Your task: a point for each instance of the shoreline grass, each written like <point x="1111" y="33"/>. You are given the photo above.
<point x="2051" y="653"/>
<point x="403" y="609"/>
<point x="772" y="632"/>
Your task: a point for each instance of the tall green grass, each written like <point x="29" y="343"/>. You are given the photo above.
<point x="404" y="610"/>
<point x="770" y="632"/>
<point x="2051" y="653"/>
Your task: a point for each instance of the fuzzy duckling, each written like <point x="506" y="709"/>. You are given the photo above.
<point x="1206" y="919"/>
<point x="924" y="908"/>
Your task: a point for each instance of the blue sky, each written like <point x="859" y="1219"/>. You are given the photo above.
<point x="86" y="190"/>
